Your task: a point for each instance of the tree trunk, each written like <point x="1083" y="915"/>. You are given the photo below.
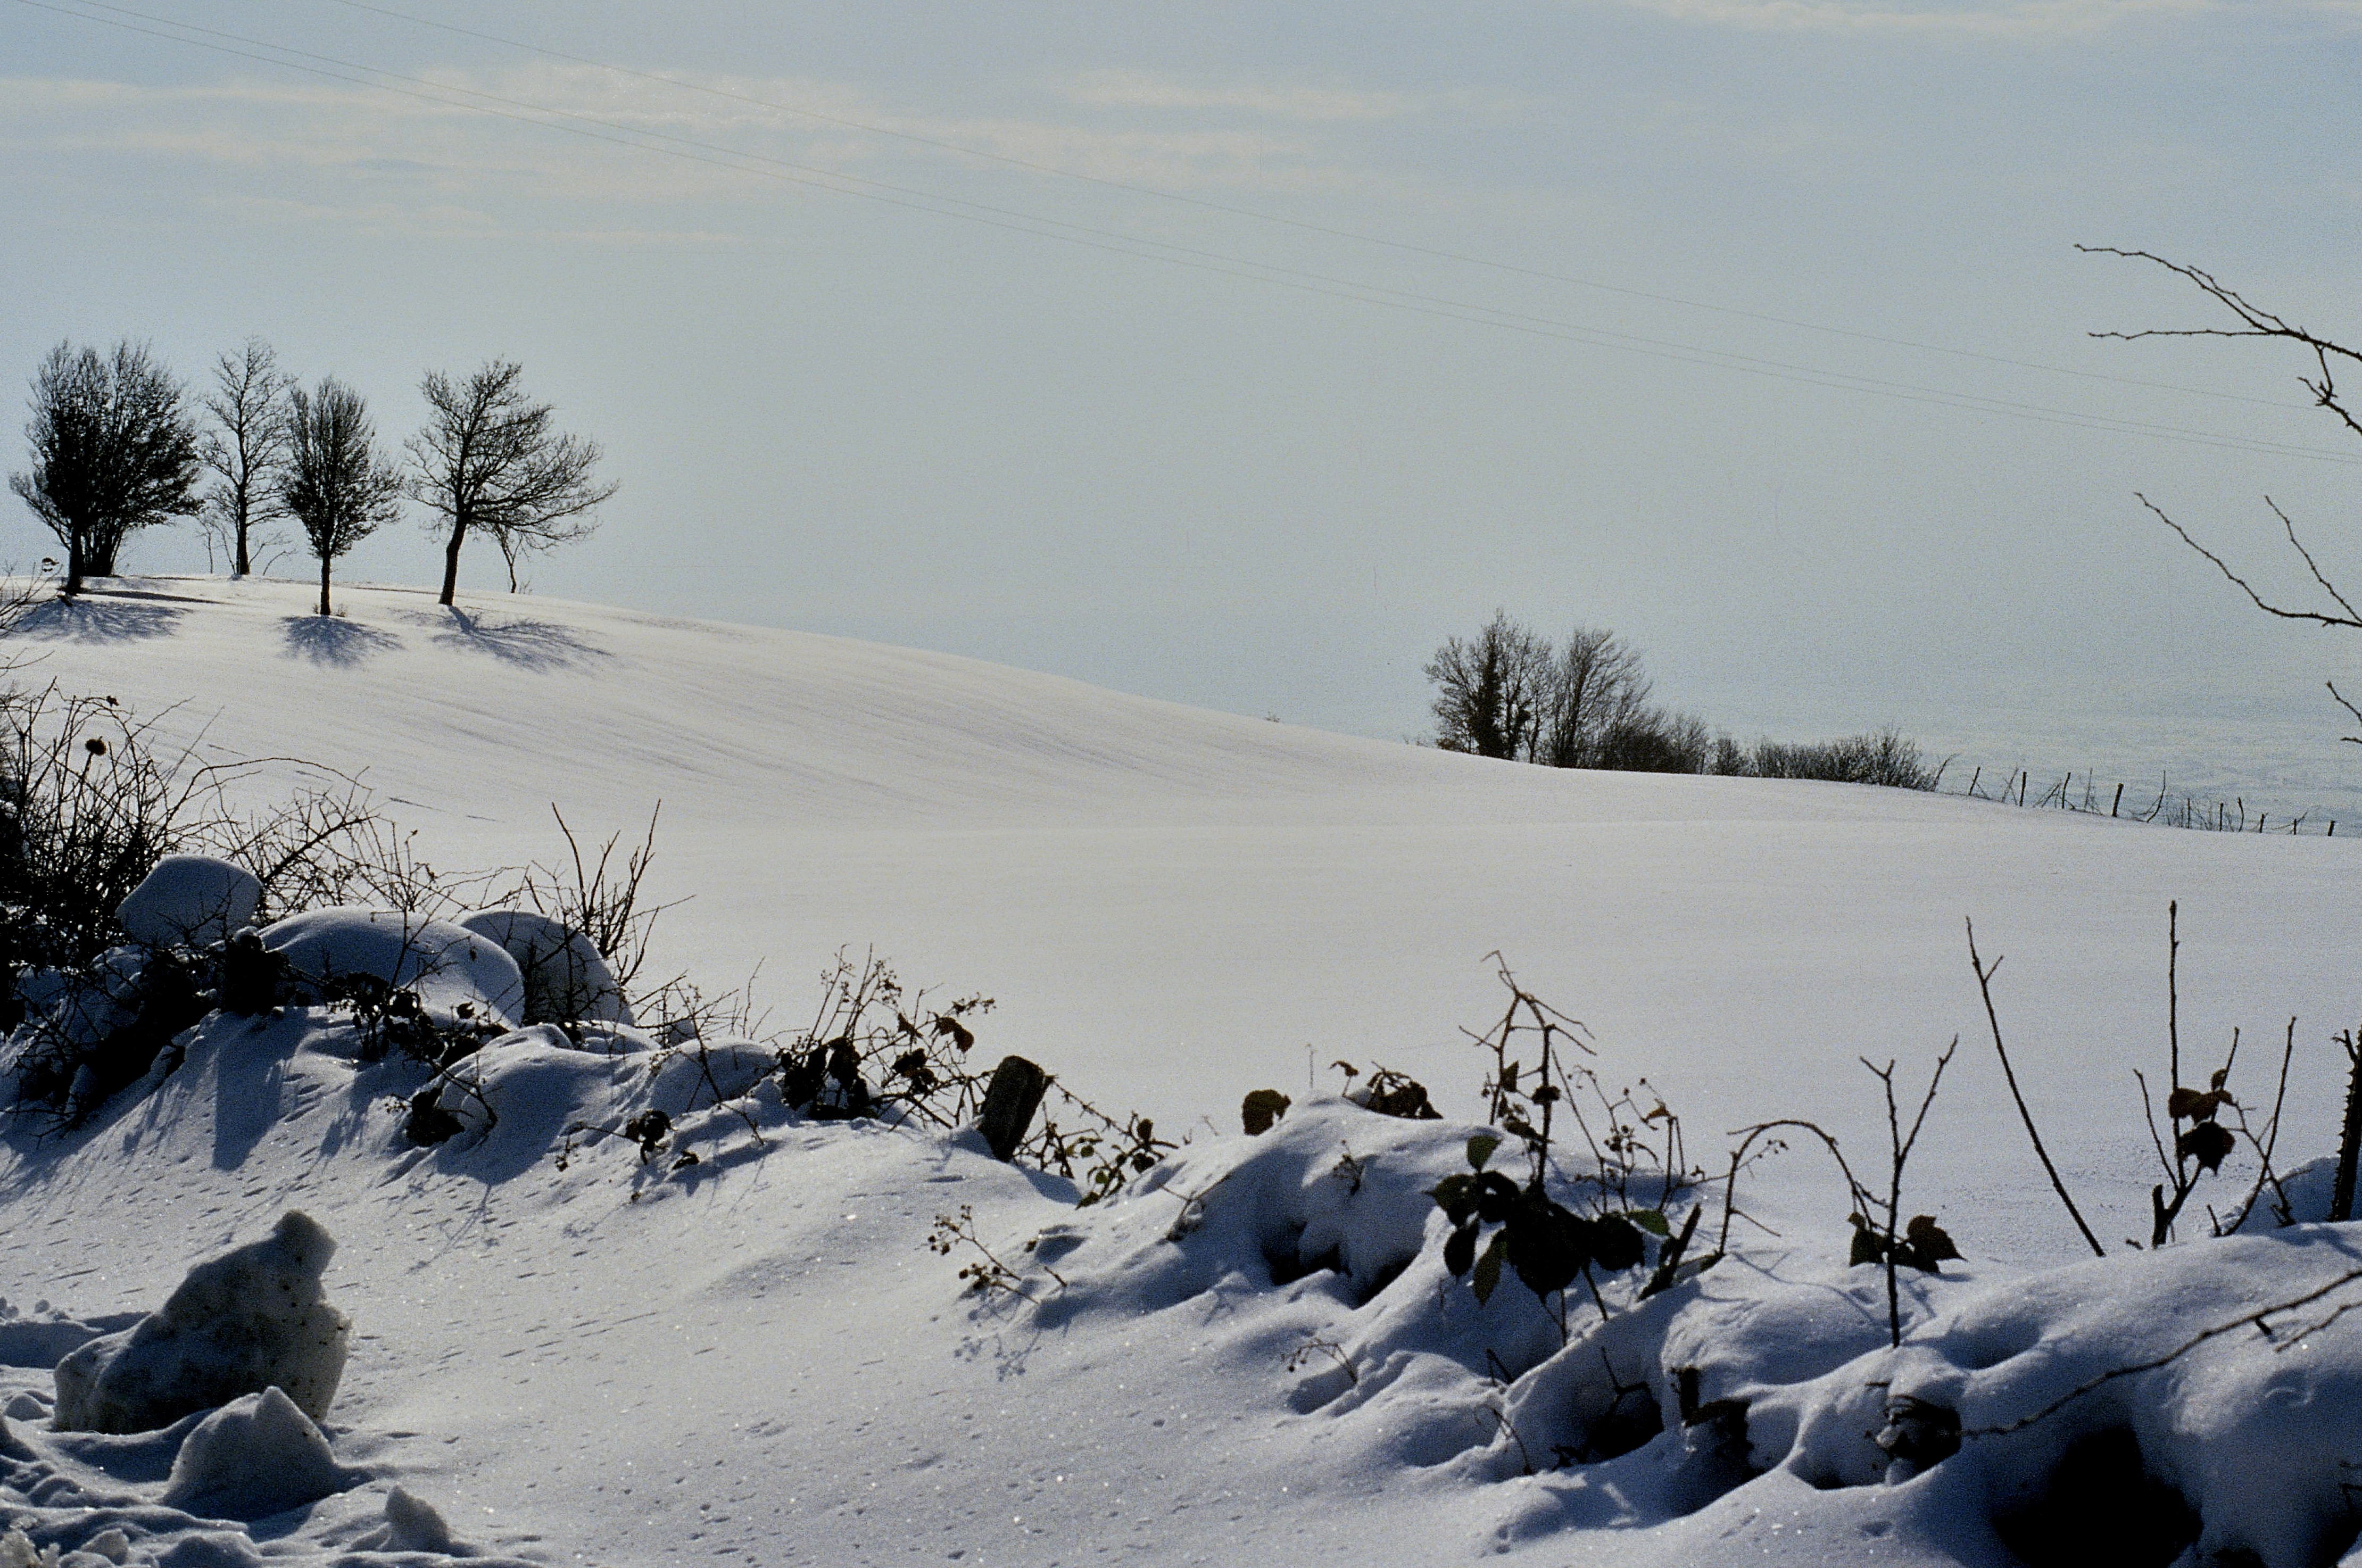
<point x="451" y="561"/>
<point x="324" y="586"/>
<point x="73" y="567"/>
<point x="243" y="566"/>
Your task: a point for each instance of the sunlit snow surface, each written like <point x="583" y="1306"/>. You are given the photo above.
<point x="758" y="1361"/>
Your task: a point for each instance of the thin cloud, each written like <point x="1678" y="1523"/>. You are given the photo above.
<point x="441" y="134"/>
<point x="1143" y="90"/>
<point x="2026" y="20"/>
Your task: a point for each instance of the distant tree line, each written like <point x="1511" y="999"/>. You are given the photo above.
<point x="1511" y="693"/>
<point x="116" y="446"/>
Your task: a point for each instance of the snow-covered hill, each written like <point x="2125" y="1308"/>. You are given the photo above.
<point x="758" y="1361"/>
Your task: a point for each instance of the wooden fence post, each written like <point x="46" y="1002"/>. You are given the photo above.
<point x="1009" y="1102"/>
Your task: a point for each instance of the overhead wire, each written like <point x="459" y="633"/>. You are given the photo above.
<point x="838" y="182"/>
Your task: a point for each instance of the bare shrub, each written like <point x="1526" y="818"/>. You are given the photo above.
<point x="1883" y="756"/>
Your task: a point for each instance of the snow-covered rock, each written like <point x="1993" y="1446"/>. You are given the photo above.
<point x="189" y="900"/>
<point x="448" y="966"/>
<point x="566" y="979"/>
<point x="254" y="1457"/>
<point x="252" y="1318"/>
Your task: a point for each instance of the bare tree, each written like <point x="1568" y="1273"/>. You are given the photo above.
<point x="490" y="461"/>
<point x="1491" y="690"/>
<point x="114" y="451"/>
<point x="246" y="449"/>
<point x="337" y="484"/>
<point x="1596" y="687"/>
<point x="2254" y="321"/>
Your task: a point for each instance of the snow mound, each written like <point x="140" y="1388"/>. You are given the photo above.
<point x="456" y="972"/>
<point x="252" y="1318"/>
<point x="190" y="901"/>
<point x="2201" y="1405"/>
<point x="413" y="1525"/>
<point x="566" y="979"/>
<point x="254" y="1457"/>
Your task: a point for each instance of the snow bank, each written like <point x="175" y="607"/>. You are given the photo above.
<point x="2204" y="1399"/>
<point x="566" y="979"/>
<point x="456" y="972"/>
<point x="254" y="1457"/>
<point x="188" y="900"/>
<point x="253" y="1319"/>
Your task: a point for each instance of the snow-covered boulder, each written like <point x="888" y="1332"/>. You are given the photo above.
<point x="254" y="1457"/>
<point x="566" y="979"/>
<point x="448" y="966"/>
<point x="189" y="900"/>
<point x="254" y="1317"/>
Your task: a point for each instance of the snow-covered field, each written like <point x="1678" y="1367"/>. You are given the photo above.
<point x="757" y="1359"/>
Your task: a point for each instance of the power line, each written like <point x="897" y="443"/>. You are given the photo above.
<point x="909" y="198"/>
<point x="1356" y="236"/>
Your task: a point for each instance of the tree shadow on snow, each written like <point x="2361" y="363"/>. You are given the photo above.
<point x="531" y="644"/>
<point x="325" y="639"/>
<point x="98" y="620"/>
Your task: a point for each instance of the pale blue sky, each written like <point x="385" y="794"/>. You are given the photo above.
<point x="845" y="414"/>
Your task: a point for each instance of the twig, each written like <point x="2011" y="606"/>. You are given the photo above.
<point x="2218" y="1331"/>
<point x="1984" y="986"/>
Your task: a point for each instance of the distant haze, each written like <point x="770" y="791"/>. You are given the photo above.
<point x="1200" y="455"/>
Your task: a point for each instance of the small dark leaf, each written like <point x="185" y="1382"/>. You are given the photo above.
<point x="2208" y="1143"/>
<point x="1867" y="1247"/>
<point x="1547" y="1245"/>
<point x="1460" y="1252"/>
<point x="1652" y="1221"/>
<point x="1488" y="1269"/>
<point x="2222" y="1075"/>
<point x="1510" y="1078"/>
<point x="1927" y="1243"/>
<point x="1456" y="1195"/>
<point x="1262" y="1108"/>
<point x="1546" y="1094"/>
<point x="1615" y="1243"/>
<point x="2189" y="1105"/>
<point x="1480" y="1149"/>
<point x="1494" y="1195"/>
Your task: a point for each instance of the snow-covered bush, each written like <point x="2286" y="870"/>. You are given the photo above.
<point x="190" y="901"/>
<point x="254" y="1317"/>
<point x="566" y="979"/>
<point x="456" y="975"/>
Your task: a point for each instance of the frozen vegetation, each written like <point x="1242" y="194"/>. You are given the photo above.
<point x="630" y="1277"/>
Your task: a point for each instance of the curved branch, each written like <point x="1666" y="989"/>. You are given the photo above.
<point x="2259" y="601"/>
<point x="1984" y="986"/>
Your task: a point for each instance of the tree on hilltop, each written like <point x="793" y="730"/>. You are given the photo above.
<point x="336" y="485"/>
<point x="489" y="462"/>
<point x="247" y="449"/>
<point x="114" y="451"/>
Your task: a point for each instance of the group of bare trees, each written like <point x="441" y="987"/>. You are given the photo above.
<point x="116" y="447"/>
<point x="1509" y="691"/>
